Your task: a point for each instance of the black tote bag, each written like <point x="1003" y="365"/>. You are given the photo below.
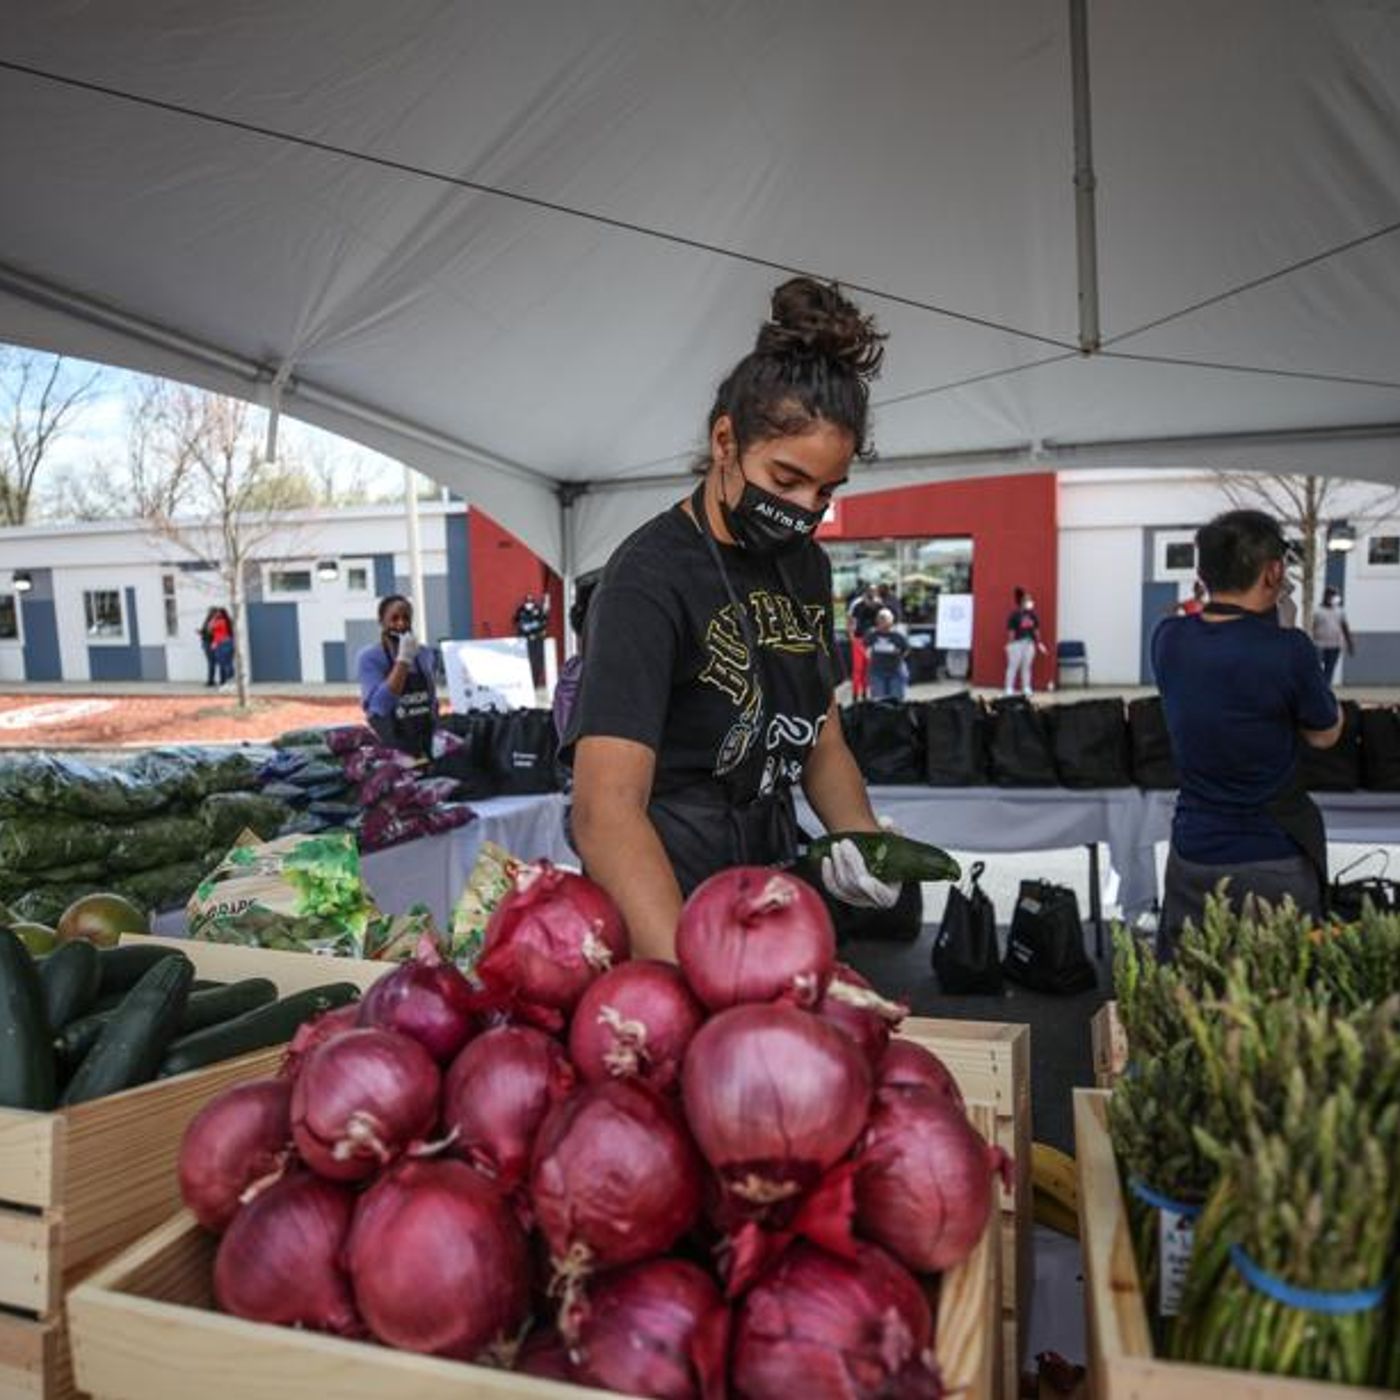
<point x="1089" y="740"/>
<point x="1345" y="898"/>
<point x="1337" y="769"/>
<point x="470" y="764"/>
<point x="1018" y="747"/>
<point x="965" y="956"/>
<point x="1045" y="949"/>
<point x="523" y="748"/>
<point x="1380" y="748"/>
<point x="1150" y="744"/>
<point x="955" y="741"/>
<point x="887" y="744"/>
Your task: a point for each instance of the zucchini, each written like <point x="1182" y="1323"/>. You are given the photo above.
<point x="890" y="857"/>
<point x="69" y="976"/>
<point x="124" y="967"/>
<point x="129" y="1050"/>
<point x="27" y="1075"/>
<point x="203" y="984"/>
<point x="208" y="1008"/>
<point x="254" y="1030"/>
<point x="219" y="1004"/>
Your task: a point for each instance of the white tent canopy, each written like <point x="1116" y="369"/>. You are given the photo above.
<point x="517" y="242"/>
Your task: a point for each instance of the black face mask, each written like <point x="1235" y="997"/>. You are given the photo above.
<point x="763" y="523"/>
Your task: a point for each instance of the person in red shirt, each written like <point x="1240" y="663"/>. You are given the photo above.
<point x="1189" y="607"/>
<point x="220" y="630"/>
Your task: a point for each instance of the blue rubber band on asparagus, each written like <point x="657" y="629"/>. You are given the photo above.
<point x="1148" y="1196"/>
<point x="1336" y="1304"/>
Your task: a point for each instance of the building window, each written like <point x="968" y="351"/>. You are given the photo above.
<point x="172" y="608"/>
<point x="357" y="578"/>
<point x="9" y="618"/>
<point x="1181" y="555"/>
<point x="102" y="609"/>
<point x="1383" y="550"/>
<point x="289" y="580"/>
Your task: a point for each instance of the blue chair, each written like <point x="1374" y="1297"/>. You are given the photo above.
<point x="1068" y="657"/>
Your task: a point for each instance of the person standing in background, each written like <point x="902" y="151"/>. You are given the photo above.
<point x="1330" y="632"/>
<point x="890" y="599"/>
<point x="396" y="682"/>
<point x="532" y="622"/>
<point x="206" y="643"/>
<point x="1022" y="643"/>
<point x="889" y="672"/>
<point x="220" y="629"/>
<point x="860" y="622"/>
<point x="1189" y="607"/>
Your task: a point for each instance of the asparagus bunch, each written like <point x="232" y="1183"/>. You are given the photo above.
<point x="1309" y="1182"/>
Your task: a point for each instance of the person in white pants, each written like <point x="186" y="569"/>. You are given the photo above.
<point x="1022" y="643"/>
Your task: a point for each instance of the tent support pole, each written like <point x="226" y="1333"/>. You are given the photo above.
<point x="1086" y="230"/>
<point x="415" y="549"/>
<point x="568" y="493"/>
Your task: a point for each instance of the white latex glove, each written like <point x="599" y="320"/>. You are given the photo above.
<point x="846" y="878"/>
<point x="408" y="648"/>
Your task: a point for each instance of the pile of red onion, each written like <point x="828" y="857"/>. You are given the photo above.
<point x="717" y="1178"/>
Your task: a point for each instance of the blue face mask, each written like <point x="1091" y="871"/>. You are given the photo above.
<point x="763" y="523"/>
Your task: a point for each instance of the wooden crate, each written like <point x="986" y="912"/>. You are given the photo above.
<point x="1109" y="1045"/>
<point x="144" y="1329"/>
<point x="79" y="1184"/>
<point x="991" y="1061"/>
<point x="1121" y="1361"/>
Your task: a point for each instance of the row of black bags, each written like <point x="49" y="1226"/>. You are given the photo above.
<point x="1044" y="948"/>
<point x="502" y="753"/>
<point x="960" y="741"/>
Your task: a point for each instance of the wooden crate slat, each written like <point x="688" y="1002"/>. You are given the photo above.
<point x="29" y="1277"/>
<point x="30" y="1157"/>
<point x="290" y="972"/>
<point x="30" y="1365"/>
<point x="1108" y="1044"/>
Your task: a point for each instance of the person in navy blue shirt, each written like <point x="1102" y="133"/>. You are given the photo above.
<point x="396" y="682"/>
<point x="1240" y="693"/>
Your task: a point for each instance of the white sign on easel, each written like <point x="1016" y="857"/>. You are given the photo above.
<point x="489" y="674"/>
<point x="954" y="621"/>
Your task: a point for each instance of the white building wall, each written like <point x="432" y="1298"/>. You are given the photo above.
<point x="1101" y="600"/>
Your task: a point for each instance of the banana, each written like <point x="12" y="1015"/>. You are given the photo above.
<point x="1052" y="1213"/>
<point x="1052" y="1174"/>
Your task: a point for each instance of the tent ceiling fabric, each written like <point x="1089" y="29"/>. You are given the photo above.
<point x="921" y="151"/>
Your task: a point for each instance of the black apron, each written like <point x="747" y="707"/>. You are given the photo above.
<point x="1293" y="809"/>
<point x="409" y="728"/>
<point x="710" y="825"/>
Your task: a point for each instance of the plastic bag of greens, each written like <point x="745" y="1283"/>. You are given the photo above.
<point x="223" y="815"/>
<point x="29" y="843"/>
<point x="52" y="783"/>
<point x="158" y="841"/>
<point x="86" y="871"/>
<point x="394" y="939"/>
<point x="300" y="738"/>
<point x="44" y="904"/>
<point x="165" y="887"/>
<point x="492" y="878"/>
<point x="298" y="892"/>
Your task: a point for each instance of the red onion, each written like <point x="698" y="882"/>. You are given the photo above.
<point x="854" y="1006"/>
<point x="438" y="1262"/>
<point x="774" y="1097"/>
<point x="360" y="1100"/>
<point x="426" y="999"/>
<point x="751" y="933"/>
<point x="616" y="1177"/>
<point x="496" y="1095"/>
<point x="543" y="1355"/>
<point x="907" y="1065"/>
<point x="547" y="940"/>
<point x="279" y="1261"/>
<point x="819" y="1325"/>
<point x="310" y="1034"/>
<point x="923" y="1180"/>
<point x="658" y="1328"/>
<point x="635" y="1021"/>
<point x="235" y="1143"/>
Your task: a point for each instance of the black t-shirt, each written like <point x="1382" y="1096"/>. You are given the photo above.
<point x="530" y="620"/>
<point x="1023" y="624"/>
<point x="665" y="661"/>
<point x="862" y="615"/>
<point x="886" y="651"/>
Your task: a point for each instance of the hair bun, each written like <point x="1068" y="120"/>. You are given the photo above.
<point x="813" y="318"/>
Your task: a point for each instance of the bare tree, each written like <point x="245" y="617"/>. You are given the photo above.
<point x="1305" y="505"/>
<point x="40" y="395"/>
<point x="230" y="499"/>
